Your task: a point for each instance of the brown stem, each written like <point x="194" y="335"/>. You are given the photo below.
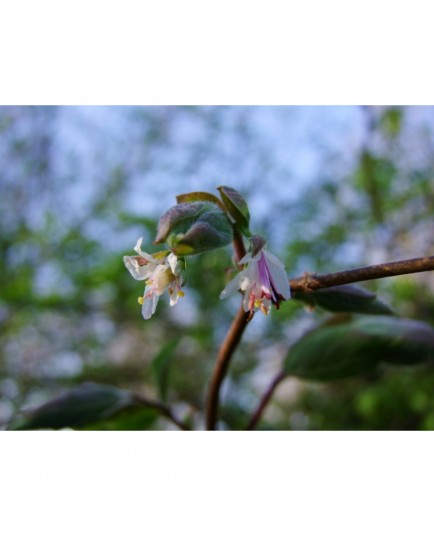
<point x="238" y="245"/>
<point x="166" y="411"/>
<point x="310" y="282"/>
<point x="264" y="401"/>
<point x="228" y="347"/>
<point x="221" y="366"/>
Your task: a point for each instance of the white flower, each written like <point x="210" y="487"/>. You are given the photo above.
<point x="263" y="281"/>
<point x="160" y="272"/>
<point x="142" y="265"/>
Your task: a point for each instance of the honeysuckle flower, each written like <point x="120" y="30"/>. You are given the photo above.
<point x="263" y="282"/>
<point x="160" y="271"/>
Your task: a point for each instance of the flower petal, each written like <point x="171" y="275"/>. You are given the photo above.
<point x="278" y="275"/>
<point x="246" y="304"/>
<point x="233" y="286"/>
<point x="147" y="256"/>
<point x="138" y="272"/>
<point x="161" y="279"/>
<point x="250" y="277"/>
<point x="247" y="258"/>
<point x="174" y="297"/>
<point x="149" y="306"/>
<point x="137" y="247"/>
<point x="175" y="266"/>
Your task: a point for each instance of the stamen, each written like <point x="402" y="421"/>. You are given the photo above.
<point x="140" y="300"/>
<point x="264" y="309"/>
<point x="181" y="294"/>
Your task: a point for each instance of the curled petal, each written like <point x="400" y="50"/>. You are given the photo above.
<point x="138" y="249"/>
<point x="138" y="271"/>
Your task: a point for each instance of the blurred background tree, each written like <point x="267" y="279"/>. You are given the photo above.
<point x="331" y="187"/>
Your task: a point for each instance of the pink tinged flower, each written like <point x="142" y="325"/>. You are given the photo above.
<point x="263" y="282"/>
<point x="142" y="265"/>
<point x="160" y="272"/>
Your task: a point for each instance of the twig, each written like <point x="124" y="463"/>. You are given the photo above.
<point x="238" y="246"/>
<point x="166" y="411"/>
<point x="264" y="401"/>
<point x="221" y="366"/>
<point x="227" y="348"/>
<point x="310" y="282"/>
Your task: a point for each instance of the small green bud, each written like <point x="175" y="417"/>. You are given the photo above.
<point x="192" y="228"/>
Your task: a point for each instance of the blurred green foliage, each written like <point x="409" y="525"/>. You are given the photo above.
<point x="68" y="307"/>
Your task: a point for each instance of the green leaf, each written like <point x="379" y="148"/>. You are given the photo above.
<point x="200" y="196"/>
<point x="336" y="351"/>
<point x="332" y="352"/>
<point x="82" y="405"/>
<point x="130" y="418"/>
<point x="345" y="299"/>
<point x="237" y="208"/>
<point x="161" y="367"/>
<point x="194" y="227"/>
<point x="405" y="341"/>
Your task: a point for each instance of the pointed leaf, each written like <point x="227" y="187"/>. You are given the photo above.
<point x="192" y="228"/>
<point x="79" y="406"/>
<point x="182" y="215"/>
<point x="335" y="351"/>
<point x="200" y="196"/>
<point x="345" y="299"/>
<point x="236" y="207"/>
<point x="405" y="341"/>
<point x="331" y="353"/>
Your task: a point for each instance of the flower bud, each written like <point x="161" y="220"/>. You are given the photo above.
<point x="192" y="228"/>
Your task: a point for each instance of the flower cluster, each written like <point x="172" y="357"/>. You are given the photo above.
<point x="160" y="271"/>
<point x="202" y="222"/>
<point x="263" y="281"/>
